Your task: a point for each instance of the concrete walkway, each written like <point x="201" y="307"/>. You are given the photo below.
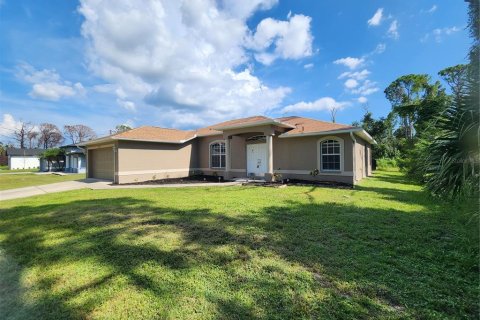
<point x="94" y="184"/>
<point x="173" y="185"/>
<point x="23" y="172"/>
<point x="59" y="173"/>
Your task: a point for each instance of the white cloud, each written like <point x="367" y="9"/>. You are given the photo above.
<point x="51" y="91"/>
<point x="432" y="9"/>
<point x="47" y="84"/>
<point x="357" y="75"/>
<point x="380" y="48"/>
<point x="351" y="83"/>
<point x="8" y="125"/>
<point x="350" y="62"/>
<point x="290" y="39"/>
<point x="357" y="82"/>
<point x="368" y="87"/>
<point x="393" y="30"/>
<point x="308" y="66"/>
<point x="362" y="99"/>
<point x="322" y="104"/>
<point x="128" y="105"/>
<point x="246" y="8"/>
<point x="189" y="58"/>
<point x="439" y="33"/>
<point x="449" y="31"/>
<point x="377" y="18"/>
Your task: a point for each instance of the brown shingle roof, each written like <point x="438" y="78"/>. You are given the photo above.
<point x="307" y="125"/>
<point x="300" y="124"/>
<point x="156" y="134"/>
<point x="241" y="121"/>
<point x="210" y="130"/>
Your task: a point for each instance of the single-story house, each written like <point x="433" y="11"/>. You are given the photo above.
<point x="293" y="147"/>
<point x="74" y="158"/>
<point x="23" y="158"/>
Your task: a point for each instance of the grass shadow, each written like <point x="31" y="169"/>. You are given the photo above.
<point x="141" y="258"/>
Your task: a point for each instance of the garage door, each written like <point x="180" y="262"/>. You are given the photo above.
<point x="101" y="163"/>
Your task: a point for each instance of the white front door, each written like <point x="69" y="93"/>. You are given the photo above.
<point x="257" y="159"/>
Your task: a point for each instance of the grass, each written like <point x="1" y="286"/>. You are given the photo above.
<point x="384" y="250"/>
<point x="12" y="181"/>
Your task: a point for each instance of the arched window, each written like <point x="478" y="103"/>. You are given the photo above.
<point x="330" y="155"/>
<point x="217" y="155"/>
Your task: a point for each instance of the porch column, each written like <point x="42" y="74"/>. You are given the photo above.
<point x="269" y="173"/>
<point x="228" y="157"/>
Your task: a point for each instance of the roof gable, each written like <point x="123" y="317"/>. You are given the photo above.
<point x="307" y="125"/>
<point x="211" y="130"/>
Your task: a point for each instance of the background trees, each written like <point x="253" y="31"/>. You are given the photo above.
<point x="32" y="138"/>
<point x="121" y="128"/>
<point x="452" y="161"/>
<point x="79" y="133"/>
<point x="49" y="135"/>
<point x="435" y="135"/>
<point x="22" y="134"/>
<point x="54" y="155"/>
<point x="383" y="130"/>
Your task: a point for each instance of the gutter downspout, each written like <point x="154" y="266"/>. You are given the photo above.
<point x="114" y="164"/>
<point x="354" y="158"/>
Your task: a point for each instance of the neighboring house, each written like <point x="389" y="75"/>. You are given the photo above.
<point x="294" y="147"/>
<point x="74" y="158"/>
<point x="23" y="158"/>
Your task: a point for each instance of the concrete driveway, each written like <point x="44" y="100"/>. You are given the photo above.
<point x="95" y="184"/>
<point x="52" y="188"/>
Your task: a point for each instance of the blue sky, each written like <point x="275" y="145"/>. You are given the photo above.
<point x="193" y="63"/>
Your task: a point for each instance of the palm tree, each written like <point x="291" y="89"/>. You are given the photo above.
<point x="452" y="162"/>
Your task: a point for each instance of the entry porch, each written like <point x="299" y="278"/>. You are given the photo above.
<point x="248" y="151"/>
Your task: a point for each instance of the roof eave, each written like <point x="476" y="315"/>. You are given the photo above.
<point x="255" y="124"/>
<point x="366" y="136"/>
<point x="218" y="133"/>
<point x="363" y="134"/>
<point x="158" y="141"/>
<point x="97" y="141"/>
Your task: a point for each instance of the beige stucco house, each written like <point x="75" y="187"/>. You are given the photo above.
<point x="294" y="147"/>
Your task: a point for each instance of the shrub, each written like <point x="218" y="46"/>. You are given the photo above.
<point x="387" y="164"/>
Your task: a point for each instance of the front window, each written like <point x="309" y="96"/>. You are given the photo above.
<point x="217" y="155"/>
<point x="330" y="155"/>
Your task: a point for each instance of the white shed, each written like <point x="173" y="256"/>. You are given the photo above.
<point x="23" y="158"/>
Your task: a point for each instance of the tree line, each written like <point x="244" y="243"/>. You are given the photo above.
<point x="48" y="135"/>
<point x="432" y="135"/>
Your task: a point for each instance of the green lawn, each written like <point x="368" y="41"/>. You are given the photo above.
<point x="383" y="250"/>
<point x="12" y="181"/>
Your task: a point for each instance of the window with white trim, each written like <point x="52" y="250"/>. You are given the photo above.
<point x="330" y="155"/>
<point x="217" y="155"/>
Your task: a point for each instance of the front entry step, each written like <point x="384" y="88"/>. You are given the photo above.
<point x="255" y="179"/>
